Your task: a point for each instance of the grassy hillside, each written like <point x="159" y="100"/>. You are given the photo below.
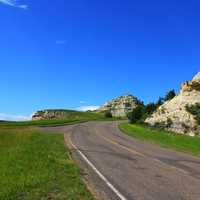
<point x="64" y="114"/>
<point x="171" y="140"/>
<point x="66" y="117"/>
<point x="34" y="165"/>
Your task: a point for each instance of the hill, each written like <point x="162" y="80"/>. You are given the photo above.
<point x="176" y="115"/>
<point x="121" y="106"/>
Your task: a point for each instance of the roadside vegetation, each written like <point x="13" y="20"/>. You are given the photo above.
<point x="35" y="165"/>
<point x="194" y="110"/>
<point x="108" y="114"/>
<point x="142" y="111"/>
<point x="139" y="129"/>
<point x="164" y="138"/>
<point x="73" y="117"/>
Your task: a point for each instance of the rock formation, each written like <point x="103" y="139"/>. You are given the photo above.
<point x="120" y="106"/>
<point x="173" y="114"/>
<point x="52" y="114"/>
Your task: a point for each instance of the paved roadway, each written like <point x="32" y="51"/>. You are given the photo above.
<point x="117" y="166"/>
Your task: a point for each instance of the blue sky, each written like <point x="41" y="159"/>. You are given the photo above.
<point x="70" y="54"/>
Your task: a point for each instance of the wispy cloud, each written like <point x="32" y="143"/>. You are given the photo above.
<point x="61" y="42"/>
<point x="10" y="117"/>
<point x="14" y="3"/>
<point x="82" y="102"/>
<point x="86" y="108"/>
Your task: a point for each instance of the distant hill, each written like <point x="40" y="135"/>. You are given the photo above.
<point x="61" y="114"/>
<point x="53" y="114"/>
<point x="182" y="113"/>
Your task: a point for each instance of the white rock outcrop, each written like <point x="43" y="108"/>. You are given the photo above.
<point x="120" y="106"/>
<point x="174" y="111"/>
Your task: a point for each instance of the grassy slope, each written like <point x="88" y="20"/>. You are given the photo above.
<point x="72" y="117"/>
<point x="34" y="165"/>
<point x="164" y="138"/>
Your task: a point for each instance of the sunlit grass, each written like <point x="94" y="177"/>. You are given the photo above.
<point x="171" y="140"/>
<point x="34" y="165"/>
<point x="72" y="118"/>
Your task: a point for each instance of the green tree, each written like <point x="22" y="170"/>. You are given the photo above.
<point x="150" y="108"/>
<point x="170" y="95"/>
<point x="160" y="101"/>
<point x="137" y="114"/>
<point x="108" y="114"/>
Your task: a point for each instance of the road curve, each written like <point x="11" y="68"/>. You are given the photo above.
<point x="120" y="167"/>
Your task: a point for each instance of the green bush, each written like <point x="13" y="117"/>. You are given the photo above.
<point x="194" y="110"/>
<point x="137" y="114"/>
<point x="169" y="122"/>
<point x="150" y="108"/>
<point x="108" y="114"/>
<point x="160" y="102"/>
<point x="141" y="112"/>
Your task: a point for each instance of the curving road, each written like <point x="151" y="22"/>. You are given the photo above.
<point x="117" y="166"/>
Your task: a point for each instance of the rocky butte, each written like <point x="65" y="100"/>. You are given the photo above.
<point x="119" y="107"/>
<point x="174" y="115"/>
<point x="51" y="114"/>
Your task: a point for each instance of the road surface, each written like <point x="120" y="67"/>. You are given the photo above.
<point x="117" y="166"/>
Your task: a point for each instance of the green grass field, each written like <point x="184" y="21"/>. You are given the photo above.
<point x="37" y="166"/>
<point x="171" y="140"/>
<point x="72" y="117"/>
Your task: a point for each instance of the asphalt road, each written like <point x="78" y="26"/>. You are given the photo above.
<point x="117" y="166"/>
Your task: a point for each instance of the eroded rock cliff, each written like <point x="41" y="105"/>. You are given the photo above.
<point x="52" y="114"/>
<point x="174" y="115"/>
<point x="120" y="106"/>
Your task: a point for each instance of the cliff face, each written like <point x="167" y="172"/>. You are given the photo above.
<point x="173" y="113"/>
<point x="120" y="106"/>
<point x="52" y="114"/>
<point x="193" y="85"/>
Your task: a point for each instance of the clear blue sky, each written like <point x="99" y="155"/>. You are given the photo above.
<point x="54" y="54"/>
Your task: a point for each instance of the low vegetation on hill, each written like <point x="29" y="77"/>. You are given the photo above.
<point x="58" y="114"/>
<point x="142" y="111"/>
<point x="68" y="117"/>
<point x="194" y="110"/>
<point x="35" y="165"/>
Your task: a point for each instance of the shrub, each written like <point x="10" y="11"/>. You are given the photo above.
<point x="163" y="110"/>
<point x="169" y="123"/>
<point x="194" y="110"/>
<point x="108" y="114"/>
<point x="160" y="125"/>
<point x="186" y="127"/>
<point x="137" y="114"/>
<point x="150" y="108"/>
<point x="160" y="102"/>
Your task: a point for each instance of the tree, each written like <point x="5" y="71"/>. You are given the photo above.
<point x="108" y="114"/>
<point x="170" y="95"/>
<point x="137" y="114"/>
<point x="160" y="101"/>
<point x="150" y="108"/>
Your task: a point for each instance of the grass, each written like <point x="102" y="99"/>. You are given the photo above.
<point x="72" y="118"/>
<point x="166" y="139"/>
<point x="34" y="165"/>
